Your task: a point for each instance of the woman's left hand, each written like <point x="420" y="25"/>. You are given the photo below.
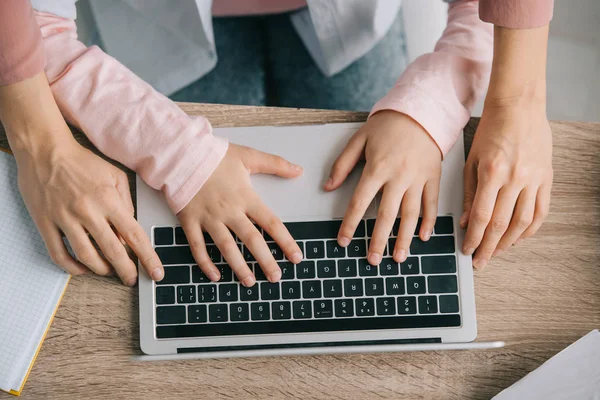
<point x="508" y="178"/>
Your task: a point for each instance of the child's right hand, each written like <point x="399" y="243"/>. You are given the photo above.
<point x="227" y="203"/>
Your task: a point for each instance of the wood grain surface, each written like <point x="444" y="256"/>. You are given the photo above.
<point x="539" y="297"/>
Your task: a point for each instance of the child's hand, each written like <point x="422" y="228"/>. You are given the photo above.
<point x="508" y="178"/>
<point x="69" y="189"/>
<point x="227" y="202"/>
<point x="404" y="162"/>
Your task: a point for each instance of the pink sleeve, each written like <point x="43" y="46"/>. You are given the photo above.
<point x="21" y="53"/>
<point x="126" y="118"/>
<point x="517" y="14"/>
<point x="439" y="89"/>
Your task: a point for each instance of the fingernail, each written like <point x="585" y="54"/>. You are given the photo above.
<point x="297" y="167"/>
<point x="296" y="257"/>
<point x="275" y="276"/>
<point x="481" y="263"/>
<point x="249" y="281"/>
<point x="214" y="276"/>
<point x="329" y="182"/>
<point x="468" y="251"/>
<point x="131" y="282"/>
<point x="158" y="274"/>
<point x="497" y="252"/>
<point x="463" y="220"/>
<point x="401" y="255"/>
<point x="374" y="258"/>
<point x="343" y="241"/>
<point x="426" y="236"/>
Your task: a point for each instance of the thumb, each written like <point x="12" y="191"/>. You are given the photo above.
<point x="346" y="161"/>
<point x="258" y="162"/>
<point x="470" y="177"/>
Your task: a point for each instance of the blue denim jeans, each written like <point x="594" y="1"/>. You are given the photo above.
<point x="262" y="61"/>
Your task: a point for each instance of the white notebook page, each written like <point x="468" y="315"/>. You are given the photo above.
<point x="30" y="284"/>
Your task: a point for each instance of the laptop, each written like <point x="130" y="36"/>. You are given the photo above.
<point x="333" y="301"/>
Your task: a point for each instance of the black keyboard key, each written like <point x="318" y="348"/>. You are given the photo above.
<point x="407" y="305"/>
<point x="175" y="255"/>
<point x="323" y="308"/>
<point x="374" y="286"/>
<point x="415" y="285"/>
<point x="249" y="293"/>
<point x="396" y="227"/>
<point x="165" y="295"/>
<point x="326" y="269"/>
<point x="444" y="226"/>
<point x="449" y="303"/>
<point x="197" y="314"/>
<point x="347" y="268"/>
<point x="314" y="229"/>
<point x="357" y="248"/>
<point x="308" y="325"/>
<point x="311" y="289"/>
<point x="260" y="311"/>
<point x="207" y="238"/>
<point x="435" y="245"/>
<point x="370" y="226"/>
<point x="301" y="246"/>
<point x="247" y="254"/>
<point x="394" y="286"/>
<point x="269" y="291"/>
<point x="410" y="266"/>
<point x="170" y="315"/>
<point x="418" y="227"/>
<point x="213" y="253"/>
<point x="302" y="309"/>
<point x="428" y="305"/>
<point x="281" y="310"/>
<point x="334" y="250"/>
<point x="315" y="249"/>
<point x="228" y="292"/>
<point x="259" y="274"/>
<point x="438" y="264"/>
<point x="365" y="307"/>
<point x="207" y="293"/>
<point x="276" y="251"/>
<point x="305" y="270"/>
<point x="226" y="272"/>
<point x="290" y="290"/>
<point x="442" y="284"/>
<point x="239" y="312"/>
<point x="353" y="287"/>
<point x="217" y="313"/>
<point x="186" y="294"/>
<point x="391" y="246"/>
<point x="163" y="236"/>
<point x="332" y="288"/>
<point x="366" y="269"/>
<point x="385" y="250"/>
<point x="388" y="267"/>
<point x="344" y="308"/>
<point x="386" y="306"/>
<point x="287" y="270"/>
<point x="360" y="230"/>
<point x="198" y="276"/>
<point x="180" y="236"/>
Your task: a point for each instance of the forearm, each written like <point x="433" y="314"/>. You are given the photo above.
<point x="519" y="67"/>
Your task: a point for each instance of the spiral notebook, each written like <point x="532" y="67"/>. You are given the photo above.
<point x="31" y="286"/>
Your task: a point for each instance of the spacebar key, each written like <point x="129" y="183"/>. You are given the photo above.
<point x="314" y="229"/>
<point x="175" y="255"/>
<point x="435" y="245"/>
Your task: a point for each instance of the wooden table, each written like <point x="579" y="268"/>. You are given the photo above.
<point x="539" y="297"/>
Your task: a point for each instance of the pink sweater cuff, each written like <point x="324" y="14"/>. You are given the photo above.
<point x="21" y="52"/>
<point x="517" y="14"/>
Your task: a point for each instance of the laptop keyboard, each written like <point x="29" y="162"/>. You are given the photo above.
<point x="333" y="289"/>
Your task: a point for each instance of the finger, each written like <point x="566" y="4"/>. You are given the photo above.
<point x="542" y="208"/>
<point x="138" y="241"/>
<point x="365" y="191"/>
<point x="255" y="242"/>
<point x="499" y="223"/>
<point x="346" y="161"/>
<point x="264" y="217"/>
<point x="84" y="250"/>
<point x="430" y="208"/>
<point x="409" y="211"/>
<point x="58" y="252"/>
<point x="113" y="250"/>
<point x="521" y="220"/>
<point x="258" y="162"/>
<point x="125" y="193"/>
<point x="195" y="237"/>
<point x="470" y="178"/>
<point x="230" y="250"/>
<point x="386" y="216"/>
<point x="480" y="215"/>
